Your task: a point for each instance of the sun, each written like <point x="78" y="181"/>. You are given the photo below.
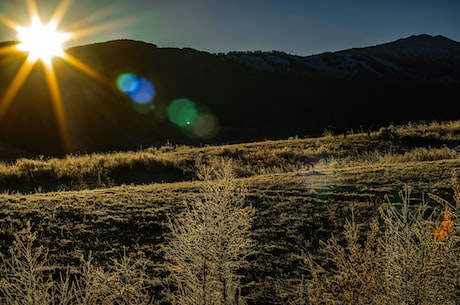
<point x="42" y="41"/>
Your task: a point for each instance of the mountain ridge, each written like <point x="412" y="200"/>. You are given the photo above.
<point x="246" y="95"/>
<point x="422" y="47"/>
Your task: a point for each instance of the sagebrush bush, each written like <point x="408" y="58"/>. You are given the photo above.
<point x="210" y="241"/>
<point x="124" y="282"/>
<point x="420" y="249"/>
<point x="356" y="273"/>
<point x="410" y="255"/>
<point x="24" y="275"/>
<point x="27" y="277"/>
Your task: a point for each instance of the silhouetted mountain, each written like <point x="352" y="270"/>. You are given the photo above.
<point x="424" y="59"/>
<point x="252" y="95"/>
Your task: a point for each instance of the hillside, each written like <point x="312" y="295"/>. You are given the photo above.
<point x="302" y="188"/>
<point x="178" y="163"/>
<point x="235" y="97"/>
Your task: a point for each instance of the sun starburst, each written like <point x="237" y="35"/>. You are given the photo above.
<point x="42" y="42"/>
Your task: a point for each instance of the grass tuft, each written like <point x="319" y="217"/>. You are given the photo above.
<point x="409" y="255"/>
<point x="27" y="277"/>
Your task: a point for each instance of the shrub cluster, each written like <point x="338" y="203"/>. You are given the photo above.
<point x="210" y="241"/>
<point x="409" y="255"/>
<point x="28" y="278"/>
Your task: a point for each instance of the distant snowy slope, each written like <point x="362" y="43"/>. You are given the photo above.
<point x="420" y="58"/>
<point x="419" y="46"/>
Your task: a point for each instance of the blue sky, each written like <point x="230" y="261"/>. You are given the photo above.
<point x="297" y="27"/>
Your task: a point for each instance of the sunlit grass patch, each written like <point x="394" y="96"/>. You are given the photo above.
<point x="302" y="188"/>
<point x="409" y="255"/>
<point x="28" y="277"/>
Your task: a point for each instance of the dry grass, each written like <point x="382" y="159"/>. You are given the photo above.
<point x="170" y="163"/>
<point x="409" y="255"/>
<point x="210" y="241"/>
<point x="303" y="190"/>
<point x="28" y="277"/>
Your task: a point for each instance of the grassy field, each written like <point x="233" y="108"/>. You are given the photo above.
<point x="303" y="190"/>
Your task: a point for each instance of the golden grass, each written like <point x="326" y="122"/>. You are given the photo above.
<point x="303" y="190"/>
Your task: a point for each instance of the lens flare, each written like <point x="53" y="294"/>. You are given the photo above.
<point x="42" y="42"/>
<point x="144" y="108"/>
<point x="182" y="112"/>
<point x="195" y="120"/>
<point x="140" y="90"/>
<point x="145" y="93"/>
<point x="128" y="83"/>
<point x="206" y="126"/>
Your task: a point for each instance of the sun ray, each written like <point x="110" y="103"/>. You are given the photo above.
<point x="85" y="32"/>
<point x="58" y="106"/>
<point x="60" y="11"/>
<point x="15" y="85"/>
<point x="9" y="22"/>
<point x="9" y="49"/>
<point x="84" y="67"/>
<point x="43" y="42"/>
<point x="96" y="16"/>
<point x="33" y="9"/>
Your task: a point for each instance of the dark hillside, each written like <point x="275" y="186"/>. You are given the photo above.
<point x="235" y="97"/>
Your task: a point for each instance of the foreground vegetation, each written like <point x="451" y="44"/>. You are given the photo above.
<point x="303" y="191"/>
<point x="174" y="163"/>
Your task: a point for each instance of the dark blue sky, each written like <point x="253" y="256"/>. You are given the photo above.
<point x="297" y="27"/>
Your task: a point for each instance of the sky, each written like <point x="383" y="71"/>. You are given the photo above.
<point x="300" y="27"/>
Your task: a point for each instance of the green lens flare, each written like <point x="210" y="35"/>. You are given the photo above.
<point x="183" y="112"/>
<point x="195" y="119"/>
